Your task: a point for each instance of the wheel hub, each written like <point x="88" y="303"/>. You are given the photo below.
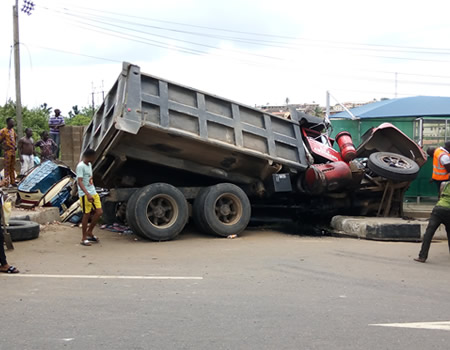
<point x="159" y="212"/>
<point x="225" y="209"/>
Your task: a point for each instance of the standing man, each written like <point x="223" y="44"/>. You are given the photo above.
<point x="4" y="266"/>
<point x="26" y="152"/>
<point x="89" y="199"/>
<point x="8" y="139"/>
<point x="48" y="147"/>
<point x="55" y="123"/>
<point x="439" y="215"/>
<point x="441" y="164"/>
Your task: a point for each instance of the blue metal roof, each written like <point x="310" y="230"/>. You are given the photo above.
<point x="418" y="106"/>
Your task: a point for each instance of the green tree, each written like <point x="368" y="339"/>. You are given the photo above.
<point x="35" y="118"/>
<point x="81" y="116"/>
<point x="317" y="112"/>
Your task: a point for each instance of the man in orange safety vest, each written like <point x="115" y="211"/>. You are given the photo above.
<point x="441" y="164"/>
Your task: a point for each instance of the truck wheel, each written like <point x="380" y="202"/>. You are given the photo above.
<point x="161" y="212"/>
<point x="393" y="166"/>
<point x="110" y="210"/>
<point x="198" y="210"/>
<point x="131" y="213"/>
<point x="222" y="210"/>
<point x="23" y="230"/>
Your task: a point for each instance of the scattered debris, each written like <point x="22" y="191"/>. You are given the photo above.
<point x="121" y="229"/>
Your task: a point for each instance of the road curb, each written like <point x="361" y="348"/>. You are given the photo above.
<point x="382" y="229"/>
<point x="41" y="216"/>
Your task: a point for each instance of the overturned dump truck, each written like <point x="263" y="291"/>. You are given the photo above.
<point x="168" y="153"/>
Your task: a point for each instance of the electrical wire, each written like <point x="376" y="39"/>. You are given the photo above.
<point x="126" y="36"/>
<point x="66" y="13"/>
<point x="252" y="33"/>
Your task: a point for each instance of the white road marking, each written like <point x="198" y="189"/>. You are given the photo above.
<point x="107" y="277"/>
<point x="441" y="325"/>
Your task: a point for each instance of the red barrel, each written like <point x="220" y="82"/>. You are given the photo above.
<point x="345" y="143"/>
<point x="329" y="177"/>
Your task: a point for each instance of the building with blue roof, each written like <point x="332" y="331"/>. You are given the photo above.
<point x="426" y="119"/>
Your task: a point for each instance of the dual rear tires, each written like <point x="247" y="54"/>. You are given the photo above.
<point x="160" y="211"/>
<point x="222" y="210"/>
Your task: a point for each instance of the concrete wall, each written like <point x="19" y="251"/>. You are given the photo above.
<point x="71" y="142"/>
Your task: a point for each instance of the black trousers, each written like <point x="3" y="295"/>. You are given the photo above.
<point x="439" y="215"/>
<point x="2" y="250"/>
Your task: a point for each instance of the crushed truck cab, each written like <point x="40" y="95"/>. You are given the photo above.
<point x="168" y="153"/>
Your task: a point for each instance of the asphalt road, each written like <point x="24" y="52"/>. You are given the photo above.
<point x="264" y="290"/>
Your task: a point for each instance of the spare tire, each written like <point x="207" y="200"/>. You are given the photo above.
<point x="23" y="230"/>
<point x="160" y="212"/>
<point x="393" y="166"/>
<point x="222" y="210"/>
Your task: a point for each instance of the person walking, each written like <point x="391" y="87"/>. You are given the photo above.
<point x="55" y="123"/>
<point x="89" y="199"/>
<point x="26" y="152"/>
<point x="441" y="164"/>
<point x="439" y="215"/>
<point x="8" y="139"/>
<point x="47" y="146"/>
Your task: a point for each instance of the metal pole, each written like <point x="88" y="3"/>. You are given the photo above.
<point x="396" y="74"/>
<point x="327" y="111"/>
<point x="17" y="69"/>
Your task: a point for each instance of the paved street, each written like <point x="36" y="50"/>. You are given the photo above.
<point x="264" y="290"/>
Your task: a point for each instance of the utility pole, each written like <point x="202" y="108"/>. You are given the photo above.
<point x="396" y="74"/>
<point x="17" y="69"/>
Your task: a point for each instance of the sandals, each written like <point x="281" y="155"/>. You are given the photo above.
<point x="11" y="269"/>
<point x="89" y="240"/>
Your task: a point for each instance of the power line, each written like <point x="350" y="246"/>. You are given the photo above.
<point x="253" y="33"/>
<point x="74" y="53"/>
<point x="252" y="54"/>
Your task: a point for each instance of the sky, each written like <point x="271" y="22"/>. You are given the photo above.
<point x="256" y="52"/>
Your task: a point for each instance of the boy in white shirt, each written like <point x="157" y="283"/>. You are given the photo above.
<point x="89" y="199"/>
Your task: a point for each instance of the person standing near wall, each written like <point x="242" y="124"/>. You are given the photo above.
<point x="55" y="123"/>
<point x="441" y="165"/>
<point x="8" y="140"/>
<point x="47" y="146"/>
<point x="26" y="151"/>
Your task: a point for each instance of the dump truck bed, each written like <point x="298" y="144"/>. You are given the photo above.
<point x="147" y="120"/>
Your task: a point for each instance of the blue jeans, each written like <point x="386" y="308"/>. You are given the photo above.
<point x="57" y="139"/>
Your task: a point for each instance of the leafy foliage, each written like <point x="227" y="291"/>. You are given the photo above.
<point x="35" y="118"/>
<point x="80" y="117"/>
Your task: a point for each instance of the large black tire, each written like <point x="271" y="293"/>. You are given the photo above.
<point x="222" y="210"/>
<point x="131" y="213"/>
<point x="161" y="212"/>
<point x="23" y="230"/>
<point x="393" y="166"/>
<point x="197" y="210"/>
<point x="110" y="212"/>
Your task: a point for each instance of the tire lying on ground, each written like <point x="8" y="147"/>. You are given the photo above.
<point x="222" y="210"/>
<point x="393" y="166"/>
<point x="23" y="230"/>
<point x="159" y="212"/>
